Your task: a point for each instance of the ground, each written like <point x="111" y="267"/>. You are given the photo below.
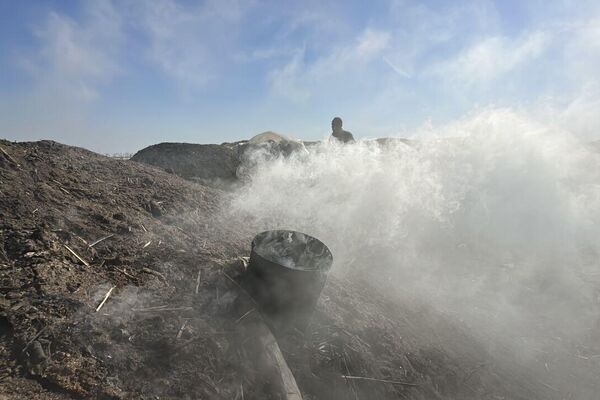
<point x="76" y="226"/>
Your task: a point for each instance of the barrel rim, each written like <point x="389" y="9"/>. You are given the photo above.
<point x="328" y="252"/>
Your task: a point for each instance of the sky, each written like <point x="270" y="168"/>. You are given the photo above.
<point x="116" y="76"/>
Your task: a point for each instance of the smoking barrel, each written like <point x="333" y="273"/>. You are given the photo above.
<point x="286" y="274"/>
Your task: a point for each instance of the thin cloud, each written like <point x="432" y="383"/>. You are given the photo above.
<point x="189" y="43"/>
<point x="491" y="58"/>
<point x="297" y="79"/>
<point x="396" y="69"/>
<point x="74" y="58"/>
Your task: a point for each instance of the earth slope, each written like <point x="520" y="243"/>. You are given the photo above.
<point x="76" y="226"/>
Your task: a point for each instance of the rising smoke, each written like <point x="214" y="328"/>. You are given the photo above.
<point x="494" y="219"/>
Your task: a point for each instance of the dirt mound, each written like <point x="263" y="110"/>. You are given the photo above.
<point x="210" y="164"/>
<point x="118" y="280"/>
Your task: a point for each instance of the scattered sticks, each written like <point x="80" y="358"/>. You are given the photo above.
<point x="106" y="296"/>
<point x="100" y="240"/>
<point x="76" y="255"/>
<point x="364" y="378"/>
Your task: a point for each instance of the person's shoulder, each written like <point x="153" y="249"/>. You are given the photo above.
<point x="348" y="135"/>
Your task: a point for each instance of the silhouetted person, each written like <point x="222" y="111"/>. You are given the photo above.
<point x="340" y="134"/>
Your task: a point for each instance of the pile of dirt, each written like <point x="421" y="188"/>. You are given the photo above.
<point x="209" y="164"/>
<point x="218" y="166"/>
<point x="119" y="280"/>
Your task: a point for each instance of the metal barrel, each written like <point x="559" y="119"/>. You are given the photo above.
<point x="286" y="274"/>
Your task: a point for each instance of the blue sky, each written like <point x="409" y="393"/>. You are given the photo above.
<point x="119" y="75"/>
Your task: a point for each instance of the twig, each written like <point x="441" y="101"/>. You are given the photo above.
<point x="352" y="386"/>
<point x="37" y="335"/>
<point x="153" y="272"/>
<point x="182" y="328"/>
<point x="162" y="309"/>
<point x="244" y="261"/>
<point x="77" y="256"/>
<point x="245" y="315"/>
<point x="147" y="244"/>
<point x="100" y="240"/>
<point x="155" y="307"/>
<point x="182" y="231"/>
<point x="9" y="157"/>
<point x="549" y="387"/>
<point x="363" y="378"/>
<point x="125" y="273"/>
<point x="239" y="287"/>
<point x="106" y="296"/>
<point x="144" y="228"/>
<point x="198" y="281"/>
<point x="80" y="238"/>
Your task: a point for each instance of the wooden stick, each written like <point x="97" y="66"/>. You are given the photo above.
<point x="82" y="239"/>
<point x="153" y="272"/>
<point x="106" y="296"/>
<point x="125" y="273"/>
<point x="198" y="281"/>
<point x="77" y="256"/>
<point x="37" y="335"/>
<point x="162" y="309"/>
<point x="244" y="261"/>
<point x="363" y="378"/>
<point x="245" y="315"/>
<point x="9" y="157"/>
<point x="4" y="256"/>
<point x="239" y="287"/>
<point x="155" y="307"/>
<point x="101" y="240"/>
<point x="182" y="328"/>
<point x="276" y="359"/>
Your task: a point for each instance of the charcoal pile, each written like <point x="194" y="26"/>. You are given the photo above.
<point x="119" y="280"/>
<point x="210" y="164"/>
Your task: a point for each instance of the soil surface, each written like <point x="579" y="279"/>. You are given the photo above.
<point x="119" y="280"/>
<point x="209" y="164"/>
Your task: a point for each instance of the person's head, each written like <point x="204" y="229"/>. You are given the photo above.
<point x="336" y="124"/>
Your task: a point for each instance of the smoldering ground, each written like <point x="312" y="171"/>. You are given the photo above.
<point x="492" y="222"/>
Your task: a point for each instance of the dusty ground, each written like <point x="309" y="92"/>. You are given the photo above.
<point x="169" y="329"/>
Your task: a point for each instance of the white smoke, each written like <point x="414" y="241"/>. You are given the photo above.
<point x="494" y="219"/>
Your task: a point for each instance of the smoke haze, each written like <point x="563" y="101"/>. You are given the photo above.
<point x="492" y="220"/>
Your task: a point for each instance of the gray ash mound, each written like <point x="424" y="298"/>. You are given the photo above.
<point x="76" y="227"/>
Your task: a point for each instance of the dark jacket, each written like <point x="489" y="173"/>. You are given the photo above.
<point x="343" y="136"/>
